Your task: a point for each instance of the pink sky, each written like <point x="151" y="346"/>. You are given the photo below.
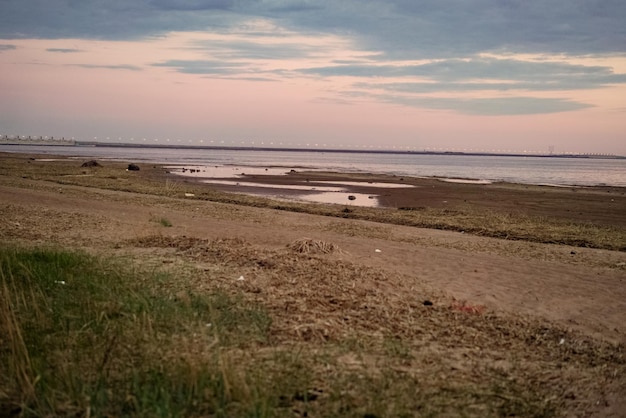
<point x="136" y="89"/>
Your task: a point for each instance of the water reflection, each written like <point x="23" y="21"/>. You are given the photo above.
<point x="327" y="191"/>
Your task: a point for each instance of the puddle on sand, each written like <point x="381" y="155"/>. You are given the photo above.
<point x="47" y="160"/>
<point x="336" y="198"/>
<point x="318" y="194"/>
<point x="274" y="186"/>
<point x="368" y="184"/>
<point x="333" y="192"/>
<point x="342" y="198"/>
<point x="222" y="171"/>
<point x="465" y="181"/>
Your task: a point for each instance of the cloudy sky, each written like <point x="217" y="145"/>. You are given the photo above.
<point x="493" y="75"/>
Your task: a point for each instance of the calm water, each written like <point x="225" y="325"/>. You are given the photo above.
<point x="527" y="170"/>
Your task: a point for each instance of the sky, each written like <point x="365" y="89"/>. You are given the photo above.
<point x="436" y="75"/>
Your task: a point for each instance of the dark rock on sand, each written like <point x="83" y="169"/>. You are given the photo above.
<point x="133" y="167"/>
<point x="91" y="163"/>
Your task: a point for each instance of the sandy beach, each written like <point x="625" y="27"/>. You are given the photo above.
<point x="577" y="290"/>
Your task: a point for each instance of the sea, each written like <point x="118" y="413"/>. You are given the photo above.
<point x="538" y="170"/>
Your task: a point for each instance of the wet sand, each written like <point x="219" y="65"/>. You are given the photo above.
<point x="598" y="205"/>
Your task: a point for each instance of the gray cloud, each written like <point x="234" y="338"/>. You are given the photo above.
<point x="250" y="50"/>
<point x="474" y="87"/>
<point x="110" y="20"/>
<point x="194" y="5"/>
<point x="109" y="67"/>
<point x="508" y="106"/>
<point x="399" y="29"/>
<point x="470" y="75"/>
<point x="481" y="73"/>
<point x="294" y="7"/>
<point x="64" y="50"/>
<point x="203" y="66"/>
<point x="451" y="32"/>
<point x="476" y="75"/>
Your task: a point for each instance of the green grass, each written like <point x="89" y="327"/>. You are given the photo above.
<point x="161" y="220"/>
<point x="88" y="334"/>
<point x="94" y="336"/>
<point x="165" y="222"/>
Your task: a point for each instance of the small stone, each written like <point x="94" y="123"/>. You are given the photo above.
<point x="428" y="303"/>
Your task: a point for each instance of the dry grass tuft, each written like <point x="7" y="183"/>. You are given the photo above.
<point x="308" y="246"/>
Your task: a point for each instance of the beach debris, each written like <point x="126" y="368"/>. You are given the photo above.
<point x="240" y="279"/>
<point x="428" y="303"/>
<point x="562" y="341"/>
<point x="307" y="245"/>
<point x="91" y="163"/>
<point x="59" y="281"/>
<point x="463" y="306"/>
<point x="351" y="197"/>
<point x="378" y="251"/>
<point x="189" y="195"/>
<point x="133" y="167"/>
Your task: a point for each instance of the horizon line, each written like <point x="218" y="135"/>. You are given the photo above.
<point x="73" y="142"/>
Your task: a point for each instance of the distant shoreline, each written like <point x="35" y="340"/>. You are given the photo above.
<point x="70" y="143"/>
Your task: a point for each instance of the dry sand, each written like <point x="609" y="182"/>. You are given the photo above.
<point x="581" y="289"/>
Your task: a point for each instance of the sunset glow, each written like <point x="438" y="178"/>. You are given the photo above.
<point x="296" y="75"/>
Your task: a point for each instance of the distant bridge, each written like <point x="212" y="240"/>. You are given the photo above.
<point x="34" y="140"/>
<point x="51" y="140"/>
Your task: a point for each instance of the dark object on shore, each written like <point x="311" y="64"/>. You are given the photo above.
<point x="133" y="167"/>
<point x="428" y="303"/>
<point x="351" y="197"/>
<point x="91" y="163"/>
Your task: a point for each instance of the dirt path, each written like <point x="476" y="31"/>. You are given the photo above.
<point x="583" y="289"/>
